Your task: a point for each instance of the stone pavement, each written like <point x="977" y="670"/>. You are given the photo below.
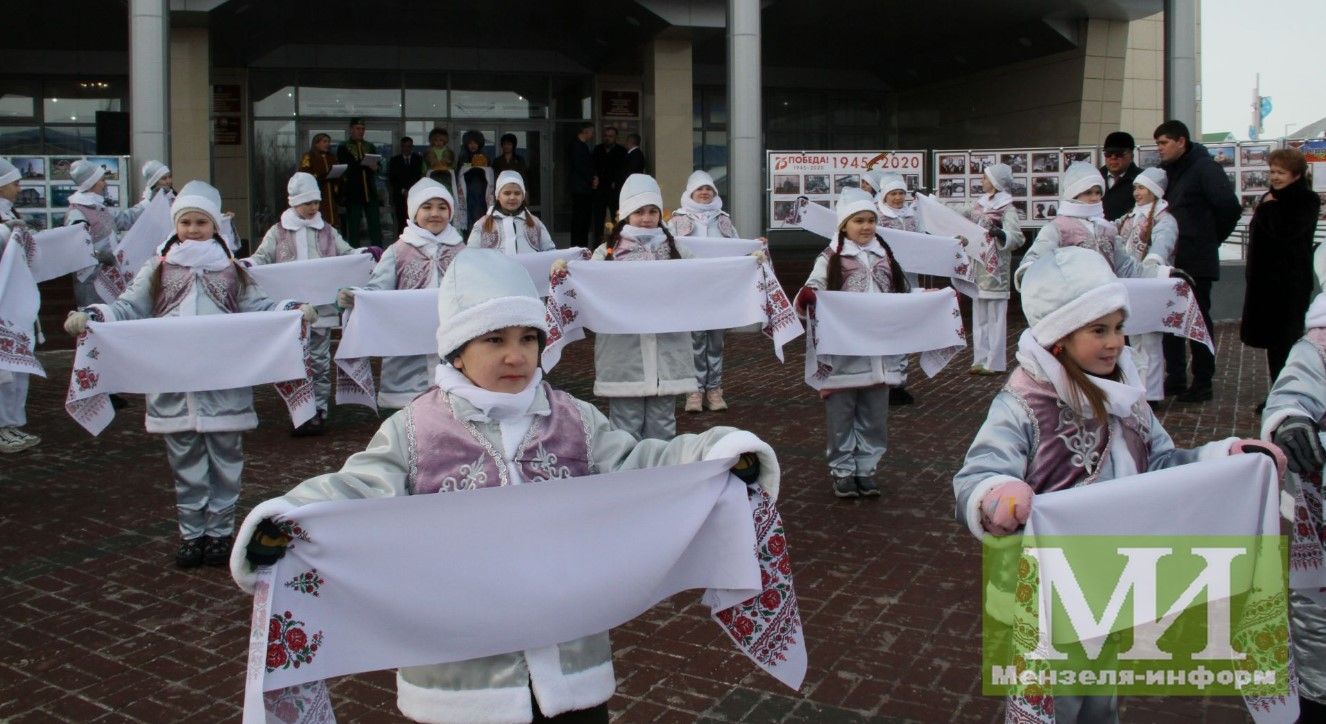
<point x="99" y="626"/>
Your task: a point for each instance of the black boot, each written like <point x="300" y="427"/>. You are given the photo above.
<point x="865" y="485"/>
<point x="1199" y="392"/>
<point x="216" y="551"/>
<point x="190" y="553"/>
<point x="899" y="396"/>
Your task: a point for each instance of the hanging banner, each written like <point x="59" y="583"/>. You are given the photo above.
<point x="799" y="178"/>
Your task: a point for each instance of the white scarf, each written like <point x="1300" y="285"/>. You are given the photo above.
<point x="509" y="229"/>
<point x="882" y="325"/>
<point x="995" y="201"/>
<point x="1120" y="397"/>
<point x="496" y="406"/>
<point x="852" y="249"/>
<point x="669" y="529"/>
<point x="1230" y="496"/>
<point x="720" y="293"/>
<point x="7" y="210"/>
<point x="86" y="198"/>
<point x="201" y="256"/>
<point x="190" y="354"/>
<point x="1080" y="210"/>
<point x="906" y="212"/>
<point x="426" y="241"/>
<point x="1141" y="210"/>
<point x="640" y="235"/>
<point x="384" y="323"/>
<point x="704" y="214"/>
<point x="291" y="220"/>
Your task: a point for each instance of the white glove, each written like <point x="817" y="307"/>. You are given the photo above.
<point x="759" y="256"/>
<point x="310" y="314"/>
<point x="76" y="323"/>
<point x="345" y="298"/>
<point x="559" y="265"/>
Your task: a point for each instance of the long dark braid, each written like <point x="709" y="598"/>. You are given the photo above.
<point x="243" y="276"/>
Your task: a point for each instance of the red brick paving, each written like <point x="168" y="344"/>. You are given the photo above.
<point x="99" y="626"/>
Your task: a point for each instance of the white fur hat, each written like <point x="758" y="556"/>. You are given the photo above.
<point x="8" y="174"/>
<point x="1079" y="178"/>
<point x="851" y="201"/>
<point x="423" y="190"/>
<point x="198" y="196"/>
<point x="639" y="191"/>
<point x="1067" y="290"/>
<point x="891" y="182"/>
<point x="154" y="171"/>
<point x="873" y="177"/>
<point x="1155" y="180"/>
<point x="482" y="291"/>
<point x="85" y="174"/>
<point x="302" y="188"/>
<point x="1001" y="175"/>
<point x="510" y="177"/>
<point x="696" y="180"/>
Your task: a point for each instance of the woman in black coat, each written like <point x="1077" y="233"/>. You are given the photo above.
<point x="1279" y="270"/>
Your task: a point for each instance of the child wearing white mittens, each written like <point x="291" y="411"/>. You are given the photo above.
<point x="641" y="374"/>
<point x="418" y="260"/>
<point x="509" y="226"/>
<point x="1072" y="413"/>
<point x="491" y="405"/>
<point x="701" y="214"/>
<point x="1149" y="233"/>
<point x="993" y="259"/>
<point x="303" y="234"/>
<point x="204" y="431"/>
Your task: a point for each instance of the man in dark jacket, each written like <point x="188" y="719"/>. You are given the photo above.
<point x="581" y="182"/>
<point x="1204" y="204"/>
<point x="360" y="185"/>
<point x="403" y="171"/>
<point x="608" y="161"/>
<point x="635" y="158"/>
<point x="1119" y="172"/>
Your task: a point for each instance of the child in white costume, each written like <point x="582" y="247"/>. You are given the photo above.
<point x="491" y="403"/>
<point x="509" y="226"/>
<point x="104" y="224"/>
<point x="416" y="261"/>
<point x="701" y="214"/>
<point x="856" y="395"/>
<point x="302" y="234"/>
<point x="14" y="387"/>
<point x="1149" y="234"/>
<point x="993" y="259"/>
<point x="195" y="275"/>
<point x="1081" y="222"/>
<point x="1072" y="413"/>
<point x="641" y="374"/>
<point x="157" y="179"/>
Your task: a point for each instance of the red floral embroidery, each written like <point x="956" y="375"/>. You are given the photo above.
<point x="291" y="646"/>
<point x="86" y="378"/>
<point x="307" y="582"/>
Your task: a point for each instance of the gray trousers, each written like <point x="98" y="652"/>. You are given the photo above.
<point x="319" y="348"/>
<point x="645" y="417"/>
<point x="14" y="401"/>
<point x="708" y="348"/>
<point x="857" y="422"/>
<point x="1307" y="622"/>
<point x="207" y="467"/>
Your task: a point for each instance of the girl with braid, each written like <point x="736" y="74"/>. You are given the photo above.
<point x="1149" y="233"/>
<point x="642" y="374"/>
<point x="856" y="395"/>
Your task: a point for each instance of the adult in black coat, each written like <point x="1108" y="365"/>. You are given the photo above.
<point x="1119" y="172"/>
<point x="359" y="185"/>
<point x="1279" y="270"/>
<point x="635" y="158"/>
<point x="609" y="158"/>
<point x="581" y="182"/>
<point x="403" y="172"/>
<point x="1203" y="202"/>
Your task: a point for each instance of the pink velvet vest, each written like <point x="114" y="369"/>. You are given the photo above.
<point x="856" y="274"/>
<point x="100" y="223"/>
<point x="685" y="225"/>
<point x="449" y="454"/>
<point x="628" y="249"/>
<point x="901" y="223"/>
<point x="493" y="239"/>
<point x="286" y="240"/>
<point x="413" y="266"/>
<point x="1069" y="451"/>
<point x="1086" y="234"/>
<point x="222" y="287"/>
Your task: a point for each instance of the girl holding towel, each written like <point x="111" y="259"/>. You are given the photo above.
<point x="509" y="226"/>
<point x="993" y="258"/>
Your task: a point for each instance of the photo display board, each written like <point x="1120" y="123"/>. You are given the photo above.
<point x="1037" y="173"/>
<point x="45" y="186"/>
<point x="797" y="178"/>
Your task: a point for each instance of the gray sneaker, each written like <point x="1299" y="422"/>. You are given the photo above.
<point x="844" y="486"/>
<point x="14" y="440"/>
<point x="865" y="484"/>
